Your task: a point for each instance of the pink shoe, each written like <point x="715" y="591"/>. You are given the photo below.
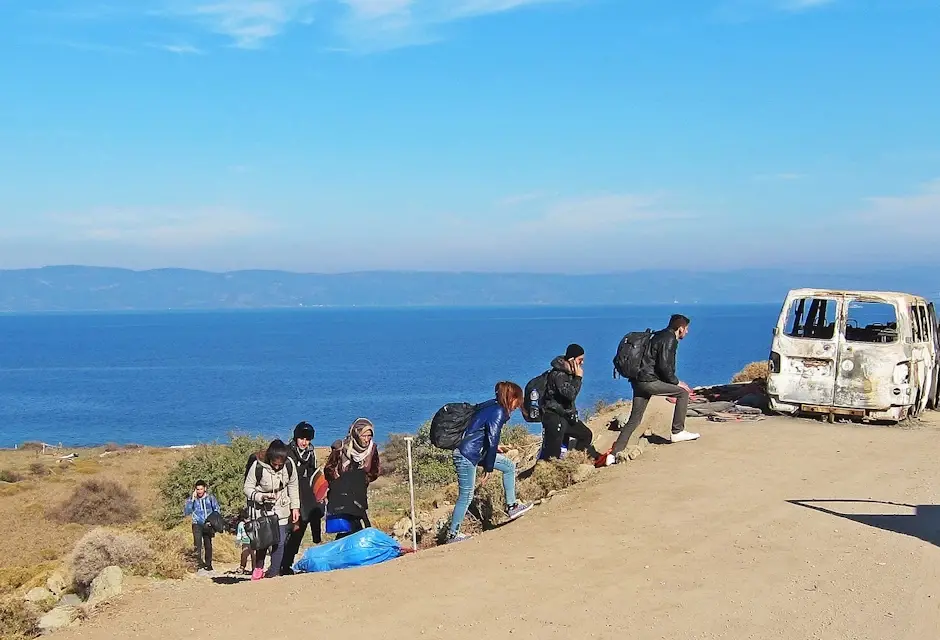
<point x="257" y="574"/>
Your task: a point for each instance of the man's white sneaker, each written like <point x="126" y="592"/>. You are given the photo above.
<point x="685" y="436"/>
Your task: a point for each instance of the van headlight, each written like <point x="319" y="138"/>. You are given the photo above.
<point x="902" y="373"/>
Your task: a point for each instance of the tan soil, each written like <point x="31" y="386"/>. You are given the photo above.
<point x="696" y="540"/>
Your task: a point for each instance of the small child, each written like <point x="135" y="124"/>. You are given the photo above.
<point x="242" y="538"/>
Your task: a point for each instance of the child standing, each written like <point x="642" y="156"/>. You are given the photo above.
<point x="242" y="538"/>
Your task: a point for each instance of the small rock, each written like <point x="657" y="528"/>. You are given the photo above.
<point x="58" y="583"/>
<point x="58" y="618"/>
<point x="635" y="453"/>
<point x="402" y="528"/>
<point x="37" y="595"/>
<point x="109" y="583"/>
<point x="70" y="600"/>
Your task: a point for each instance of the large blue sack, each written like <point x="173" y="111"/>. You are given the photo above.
<point x="361" y="549"/>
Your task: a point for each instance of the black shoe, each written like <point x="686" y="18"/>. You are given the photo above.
<point x="208" y="567"/>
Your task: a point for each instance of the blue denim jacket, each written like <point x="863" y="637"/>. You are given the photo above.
<point x="481" y="439"/>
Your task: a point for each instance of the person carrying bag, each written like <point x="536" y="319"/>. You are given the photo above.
<point x="273" y="502"/>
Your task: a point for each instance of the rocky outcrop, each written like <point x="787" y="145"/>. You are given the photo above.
<point x="59" y="618"/>
<point x="108" y="584"/>
<point x="38" y="595"/>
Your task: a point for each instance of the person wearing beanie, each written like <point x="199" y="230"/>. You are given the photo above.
<point x="560" y="422"/>
<point x="301" y="451"/>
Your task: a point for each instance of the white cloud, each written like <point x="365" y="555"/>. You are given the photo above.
<point x="804" y="5"/>
<point x="784" y="176"/>
<point x="247" y="23"/>
<point x="179" y="49"/>
<point x="156" y="227"/>
<point x="905" y="211"/>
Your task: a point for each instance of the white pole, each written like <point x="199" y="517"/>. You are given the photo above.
<point x="411" y="484"/>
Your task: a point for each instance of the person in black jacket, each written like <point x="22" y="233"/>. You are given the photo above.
<point x="560" y="420"/>
<point x="657" y="377"/>
<point x="301" y="451"/>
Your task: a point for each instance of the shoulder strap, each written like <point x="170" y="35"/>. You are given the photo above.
<point x="258" y="472"/>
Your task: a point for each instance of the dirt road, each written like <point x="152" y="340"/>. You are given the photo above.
<point x="698" y="540"/>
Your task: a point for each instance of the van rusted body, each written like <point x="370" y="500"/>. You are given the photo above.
<point x="863" y="354"/>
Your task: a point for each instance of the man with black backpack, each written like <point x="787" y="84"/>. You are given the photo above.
<point x="301" y="452"/>
<point x="651" y="369"/>
<point x="560" y="421"/>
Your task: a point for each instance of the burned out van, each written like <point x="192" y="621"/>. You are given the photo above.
<point x="859" y="354"/>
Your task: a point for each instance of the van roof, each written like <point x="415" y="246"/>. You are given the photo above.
<point x="879" y="296"/>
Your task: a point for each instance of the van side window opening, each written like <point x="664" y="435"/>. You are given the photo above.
<point x="812" y="318"/>
<point x="926" y="333"/>
<point x="916" y="332"/>
<point x="871" y="322"/>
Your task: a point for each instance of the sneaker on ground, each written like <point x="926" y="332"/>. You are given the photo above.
<point x="457" y="537"/>
<point x="685" y="436"/>
<point x="257" y="574"/>
<point x="518" y="510"/>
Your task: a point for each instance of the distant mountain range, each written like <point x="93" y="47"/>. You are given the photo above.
<point x="75" y="288"/>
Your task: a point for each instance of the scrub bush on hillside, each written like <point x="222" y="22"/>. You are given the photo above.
<point x="221" y="466"/>
<point x="99" y="502"/>
<point x="101" y="548"/>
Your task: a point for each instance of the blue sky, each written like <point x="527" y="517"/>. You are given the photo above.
<point x="524" y="135"/>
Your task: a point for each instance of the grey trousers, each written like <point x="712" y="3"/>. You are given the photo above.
<point x="642" y="392"/>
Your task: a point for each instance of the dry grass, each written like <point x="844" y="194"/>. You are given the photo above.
<point x="39" y="469"/>
<point x="34" y="542"/>
<point x="18" y="621"/>
<point x="99" y="502"/>
<point x="759" y="370"/>
<point x="7" y="475"/>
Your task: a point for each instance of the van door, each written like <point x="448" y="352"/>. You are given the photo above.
<point x="867" y="354"/>
<point x="934" y="395"/>
<point x="805" y="350"/>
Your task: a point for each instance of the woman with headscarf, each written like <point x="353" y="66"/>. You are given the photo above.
<point x="353" y="464"/>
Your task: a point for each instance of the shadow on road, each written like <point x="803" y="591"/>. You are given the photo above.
<point x="923" y="523"/>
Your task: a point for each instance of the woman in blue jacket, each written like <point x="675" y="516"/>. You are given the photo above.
<point x="480" y="447"/>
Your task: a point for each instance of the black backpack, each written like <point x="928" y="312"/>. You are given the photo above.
<point x="630" y="353"/>
<point x="260" y="472"/>
<point x="449" y="424"/>
<point x="534" y="394"/>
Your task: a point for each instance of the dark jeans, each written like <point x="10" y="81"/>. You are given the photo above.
<point x="202" y="537"/>
<point x="277" y="555"/>
<point x="557" y="429"/>
<point x="295" y="538"/>
<point x="642" y="392"/>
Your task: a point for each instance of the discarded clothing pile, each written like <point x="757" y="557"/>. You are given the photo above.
<point x="729" y="403"/>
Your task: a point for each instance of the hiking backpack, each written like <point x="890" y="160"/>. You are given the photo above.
<point x="449" y="424"/>
<point x="630" y="353"/>
<point x="534" y="393"/>
<point x="259" y="472"/>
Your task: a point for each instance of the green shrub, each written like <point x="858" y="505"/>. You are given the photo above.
<point x="516" y="436"/>
<point x="222" y="466"/>
<point x="432" y="466"/>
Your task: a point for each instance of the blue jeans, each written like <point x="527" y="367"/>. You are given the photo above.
<point x="466" y="480"/>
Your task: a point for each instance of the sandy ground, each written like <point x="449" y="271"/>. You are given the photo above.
<point x="691" y="541"/>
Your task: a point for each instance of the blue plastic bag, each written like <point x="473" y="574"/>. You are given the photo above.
<point x="361" y="549"/>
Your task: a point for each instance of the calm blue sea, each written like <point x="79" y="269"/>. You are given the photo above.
<point x="179" y="378"/>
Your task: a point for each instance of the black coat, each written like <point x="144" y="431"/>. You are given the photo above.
<point x="310" y="509"/>
<point x="659" y="363"/>
<point x="562" y="390"/>
<point x="349" y="494"/>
